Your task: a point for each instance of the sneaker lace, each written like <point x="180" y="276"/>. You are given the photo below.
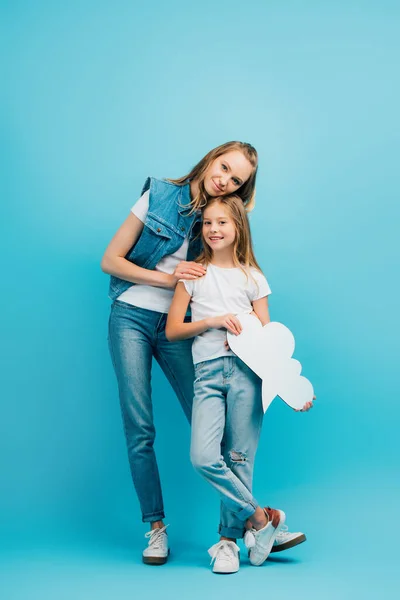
<point x="156" y="537"/>
<point x="282" y="533"/>
<point x="249" y="538"/>
<point x="223" y="550"/>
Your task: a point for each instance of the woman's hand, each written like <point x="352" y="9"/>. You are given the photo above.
<point x="188" y="270"/>
<point x="229" y="322"/>
<point x="307" y="406"/>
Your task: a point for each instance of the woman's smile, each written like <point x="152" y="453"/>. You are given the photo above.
<point x="217" y="187"/>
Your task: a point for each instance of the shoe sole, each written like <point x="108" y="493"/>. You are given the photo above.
<point x="290" y="544"/>
<point x="272" y="540"/>
<point x="225" y="572"/>
<point x="155" y="560"/>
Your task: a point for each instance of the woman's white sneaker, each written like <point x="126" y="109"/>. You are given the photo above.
<point x="157" y="550"/>
<point x="260" y="541"/>
<point x="225" y="556"/>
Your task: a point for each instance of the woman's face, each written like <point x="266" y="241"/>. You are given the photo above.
<point x="227" y="173"/>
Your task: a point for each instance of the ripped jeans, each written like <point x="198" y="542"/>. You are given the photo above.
<point x="226" y="424"/>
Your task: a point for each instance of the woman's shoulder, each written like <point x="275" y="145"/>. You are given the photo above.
<point x="154" y="183"/>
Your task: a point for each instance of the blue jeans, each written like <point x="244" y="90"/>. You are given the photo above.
<point x="226" y="425"/>
<point x="135" y="336"/>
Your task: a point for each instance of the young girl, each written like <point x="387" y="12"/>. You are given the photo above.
<point x="227" y="406"/>
<point x="153" y="249"/>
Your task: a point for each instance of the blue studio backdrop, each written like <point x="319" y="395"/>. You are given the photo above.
<point x="100" y="95"/>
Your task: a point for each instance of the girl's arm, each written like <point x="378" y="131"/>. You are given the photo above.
<point x="261" y="310"/>
<point x="177" y="329"/>
<point x="115" y="263"/>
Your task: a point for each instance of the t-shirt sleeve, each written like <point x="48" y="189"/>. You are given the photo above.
<point x="189" y="286"/>
<point x="141" y="207"/>
<point x="260" y="287"/>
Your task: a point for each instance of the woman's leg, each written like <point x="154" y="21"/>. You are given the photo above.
<point x="244" y="415"/>
<point x="130" y="343"/>
<point x="212" y="382"/>
<point x="175" y="359"/>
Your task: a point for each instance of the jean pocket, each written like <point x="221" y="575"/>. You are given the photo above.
<point x="200" y="365"/>
<point x="199" y="371"/>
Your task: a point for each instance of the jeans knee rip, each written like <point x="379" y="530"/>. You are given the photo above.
<point x="237" y="457"/>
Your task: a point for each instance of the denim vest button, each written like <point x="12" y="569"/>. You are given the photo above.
<point x="182" y="229"/>
<point x="158" y="230"/>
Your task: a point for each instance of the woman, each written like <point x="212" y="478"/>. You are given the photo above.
<point x="153" y="249"/>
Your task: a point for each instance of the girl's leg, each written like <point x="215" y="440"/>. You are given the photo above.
<point x="244" y="415"/>
<point x="213" y="379"/>
<point x="130" y="343"/>
<point x="175" y="359"/>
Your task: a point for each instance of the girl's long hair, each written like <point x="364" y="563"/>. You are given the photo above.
<point x="246" y="192"/>
<point x="243" y="254"/>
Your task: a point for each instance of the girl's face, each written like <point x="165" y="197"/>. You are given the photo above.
<point x="227" y="173"/>
<point x="218" y="227"/>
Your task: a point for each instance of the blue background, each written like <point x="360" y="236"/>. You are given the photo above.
<point x="99" y="95"/>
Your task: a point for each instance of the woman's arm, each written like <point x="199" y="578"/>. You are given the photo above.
<point x="177" y="329"/>
<point x="115" y="263"/>
<point x="261" y="310"/>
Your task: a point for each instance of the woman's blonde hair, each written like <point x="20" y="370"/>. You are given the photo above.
<point x="243" y="254"/>
<point x="246" y="192"/>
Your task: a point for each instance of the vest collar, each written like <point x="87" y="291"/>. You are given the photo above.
<point x="183" y="201"/>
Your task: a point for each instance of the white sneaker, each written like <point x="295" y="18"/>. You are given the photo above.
<point x="157" y="550"/>
<point x="225" y="556"/>
<point x="260" y="541"/>
<point x="285" y="539"/>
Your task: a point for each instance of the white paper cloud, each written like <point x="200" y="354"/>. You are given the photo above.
<point x="268" y="352"/>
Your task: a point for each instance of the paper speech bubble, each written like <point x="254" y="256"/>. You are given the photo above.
<point x="268" y="352"/>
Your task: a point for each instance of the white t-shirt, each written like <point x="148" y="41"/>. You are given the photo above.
<point x="149" y="296"/>
<point x="219" y="292"/>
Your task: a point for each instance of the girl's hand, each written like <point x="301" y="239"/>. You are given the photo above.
<point x="188" y="270"/>
<point x="229" y="322"/>
<point x="307" y="406"/>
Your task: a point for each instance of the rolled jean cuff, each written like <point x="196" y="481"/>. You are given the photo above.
<point x="231" y="532"/>
<point x="153" y="517"/>
<point x="246" y="512"/>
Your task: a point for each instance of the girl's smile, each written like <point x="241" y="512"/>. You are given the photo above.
<point x="218" y="227"/>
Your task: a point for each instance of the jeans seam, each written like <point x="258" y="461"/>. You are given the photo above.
<point x="232" y="478"/>
<point x="154" y="514"/>
<point x="166" y="366"/>
<point x="231" y="530"/>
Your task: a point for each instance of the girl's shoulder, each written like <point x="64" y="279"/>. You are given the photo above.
<point x="256" y="272"/>
<point x="259" y="282"/>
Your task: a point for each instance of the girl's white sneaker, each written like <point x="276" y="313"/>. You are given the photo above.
<point x="260" y="541"/>
<point x="286" y="539"/>
<point x="225" y="556"/>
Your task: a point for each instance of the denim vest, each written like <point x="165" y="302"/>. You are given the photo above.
<point x="166" y="226"/>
